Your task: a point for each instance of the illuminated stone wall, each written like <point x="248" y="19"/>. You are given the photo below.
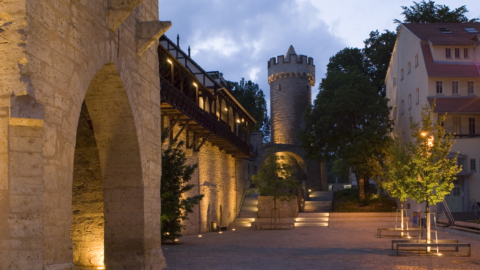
<point x="223" y="180"/>
<point x="51" y="52"/>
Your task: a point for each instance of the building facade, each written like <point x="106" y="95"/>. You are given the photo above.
<point x="440" y="62"/>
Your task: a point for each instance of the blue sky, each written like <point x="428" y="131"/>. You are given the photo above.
<point x="238" y="37"/>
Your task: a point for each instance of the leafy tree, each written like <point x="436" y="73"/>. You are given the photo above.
<point x="429" y="12"/>
<point x="378" y="51"/>
<point x="174" y="183"/>
<point x="349" y="119"/>
<point x="419" y="169"/>
<point x="252" y="99"/>
<point x="276" y="178"/>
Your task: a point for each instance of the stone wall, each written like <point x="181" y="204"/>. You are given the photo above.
<point x="287" y="208"/>
<point x="52" y="52"/>
<point x="221" y="178"/>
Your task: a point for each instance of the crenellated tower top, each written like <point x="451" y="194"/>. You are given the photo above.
<point x="291" y="65"/>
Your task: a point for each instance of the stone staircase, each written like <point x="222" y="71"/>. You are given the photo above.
<point x="319" y="201"/>
<point x="248" y="212"/>
<point x="311" y="219"/>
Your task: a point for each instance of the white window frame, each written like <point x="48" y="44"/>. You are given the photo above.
<point x="455" y="88"/>
<point x="439" y="86"/>
<point x="471" y="87"/>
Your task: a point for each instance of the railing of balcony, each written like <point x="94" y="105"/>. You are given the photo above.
<point x="213" y="111"/>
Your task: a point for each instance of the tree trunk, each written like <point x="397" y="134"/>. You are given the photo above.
<point x="361" y="188"/>
<point x="427" y="210"/>
<point x="366" y="182"/>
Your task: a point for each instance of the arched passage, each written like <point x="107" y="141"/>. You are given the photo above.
<point x="107" y="191"/>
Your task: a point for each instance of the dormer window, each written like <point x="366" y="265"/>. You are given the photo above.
<point x="444" y="30"/>
<point x="448" y="53"/>
<point x="471" y="30"/>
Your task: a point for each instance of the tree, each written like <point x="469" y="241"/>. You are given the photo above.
<point x="419" y="169"/>
<point x="252" y="99"/>
<point x="276" y="178"/>
<point x="349" y="119"/>
<point x="378" y="51"/>
<point x="174" y="184"/>
<point x="429" y="12"/>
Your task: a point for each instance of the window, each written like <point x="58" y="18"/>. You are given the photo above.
<point x="279" y="87"/>
<point x="473" y="165"/>
<point x="465" y="52"/>
<point x="401" y="107"/>
<point x="471" y="30"/>
<point x="455" y="87"/>
<point x="395" y="112"/>
<point x="401" y="74"/>
<point x="409" y="102"/>
<point x="416" y="60"/>
<point x="418" y="95"/>
<point x="394" y="80"/>
<point x="444" y="30"/>
<point x="439" y="87"/>
<point x="471" y="87"/>
<point x="457" y="128"/>
<point x="471" y="125"/>
<point x="409" y="68"/>
<point x="457" y="53"/>
<point x="448" y="53"/>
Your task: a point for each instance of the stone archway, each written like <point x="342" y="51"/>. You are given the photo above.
<point x="107" y="193"/>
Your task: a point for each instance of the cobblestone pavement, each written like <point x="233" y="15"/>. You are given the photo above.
<point x="307" y="248"/>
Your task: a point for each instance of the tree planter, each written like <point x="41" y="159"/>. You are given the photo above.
<point x="286" y="209"/>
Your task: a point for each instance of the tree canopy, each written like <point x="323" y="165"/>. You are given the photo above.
<point x="252" y="99"/>
<point x="429" y="12"/>
<point x="355" y="115"/>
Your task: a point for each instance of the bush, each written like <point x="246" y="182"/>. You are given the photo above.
<point x="347" y="200"/>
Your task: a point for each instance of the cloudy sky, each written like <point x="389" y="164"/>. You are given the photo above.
<point x="238" y="37"/>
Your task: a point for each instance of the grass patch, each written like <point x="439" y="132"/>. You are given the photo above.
<point x="347" y="200"/>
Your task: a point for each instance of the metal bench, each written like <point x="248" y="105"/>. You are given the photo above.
<point x="266" y="225"/>
<point x="435" y="245"/>
<point x="397" y="241"/>
<point x="379" y="230"/>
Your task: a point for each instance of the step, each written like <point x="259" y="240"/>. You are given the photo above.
<point x="311" y="224"/>
<point x="314" y="214"/>
<point x="318" y="206"/>
<point x="309" y="219"/>
<point x="362" y="225"/>
<point x="320" y="196"/>
<point x="364" y="214"/>
<point x="333" y="218"/>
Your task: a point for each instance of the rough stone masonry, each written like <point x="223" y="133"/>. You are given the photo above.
<point x="95" y="61"/>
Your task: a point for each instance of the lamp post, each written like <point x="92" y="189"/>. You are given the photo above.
<point x="428" y="145"/>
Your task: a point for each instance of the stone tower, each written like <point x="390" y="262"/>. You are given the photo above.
<point x="291" y="78"/>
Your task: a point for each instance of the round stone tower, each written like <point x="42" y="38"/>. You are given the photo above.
<point x="291" y="78"/>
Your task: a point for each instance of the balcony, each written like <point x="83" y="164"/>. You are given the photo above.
<point x="205" y="113"/>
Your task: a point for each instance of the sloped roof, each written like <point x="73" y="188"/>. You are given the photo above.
<point x="450" y="69"/>
<point x="430" y="32"/>
<point x="455" y="104"/>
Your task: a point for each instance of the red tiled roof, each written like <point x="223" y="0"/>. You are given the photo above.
<point x="447" y="70"/>
<point x="430" y="32"/>
<point x="455" y="104"/>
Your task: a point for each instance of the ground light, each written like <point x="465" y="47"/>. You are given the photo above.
<point x="233" y="229"/>
<point x="220" y="232"/>
<point x="200" y="236"/>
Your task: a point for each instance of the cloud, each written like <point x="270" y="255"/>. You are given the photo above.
<point x="237" y="38"/>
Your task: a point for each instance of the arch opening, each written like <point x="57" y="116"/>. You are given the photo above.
<point x="107" y="194"/>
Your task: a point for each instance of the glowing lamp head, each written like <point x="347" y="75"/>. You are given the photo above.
<point x="176" y="240"/>
<point x="200" y="236"/>
<point x="169" y="61"/>
<point x="238" y="121"/>
<point x="233" y="229"/>
<point x="424" y="134"/>
<point x="194" y="84"/>
<point x="226" y="109"/>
